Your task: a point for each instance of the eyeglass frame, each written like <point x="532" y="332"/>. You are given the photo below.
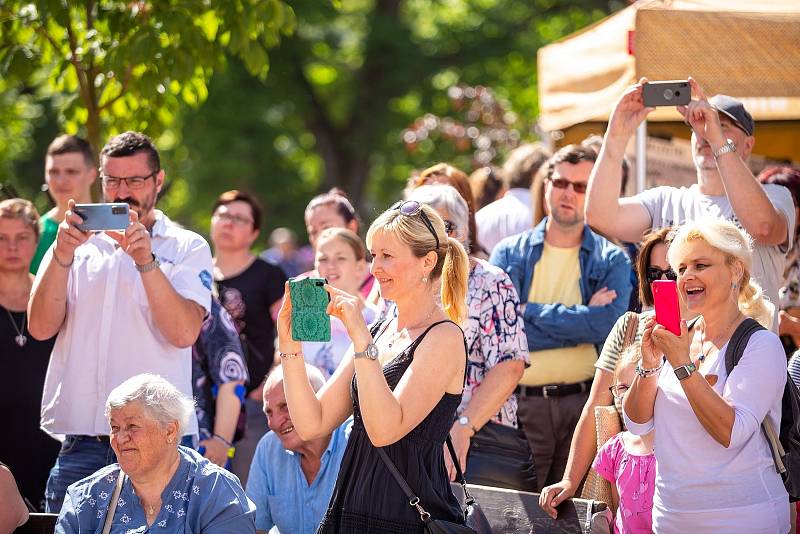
<point x="450" y="227"/>
<point x="668" y="272"/>
<point x="584" y="186"/>
<point x="235" y="219"/>
<point x="417" y="211"/>
<point x="126" y="178"/>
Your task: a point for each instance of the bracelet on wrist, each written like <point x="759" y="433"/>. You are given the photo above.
<point x="223" y="440"/>
<point x="290" y="355"/>
<point x="646" y="373"/>
<point x="60" y="263"/>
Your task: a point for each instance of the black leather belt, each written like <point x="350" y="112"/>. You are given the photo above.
<point x="554" y="390"/>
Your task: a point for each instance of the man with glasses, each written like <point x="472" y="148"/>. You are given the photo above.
<point x="575" y="285"/>
<point x="122" y="303"/>
<point x="722" y="141"/>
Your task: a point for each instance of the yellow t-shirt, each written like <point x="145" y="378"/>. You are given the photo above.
<point x="556" y="278"/>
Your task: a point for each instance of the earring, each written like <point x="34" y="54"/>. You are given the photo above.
<point x="425" y="279"/>
<point x="734" y="285"/>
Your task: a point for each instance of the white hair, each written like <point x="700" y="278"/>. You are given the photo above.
<point x="160" y="400"/>
<point x="446" y="197"/>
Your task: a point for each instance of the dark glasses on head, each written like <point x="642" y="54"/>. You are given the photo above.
<point x="654" y="273"/>
<point x="563" y="183"/>
<point x="409" y="208"/>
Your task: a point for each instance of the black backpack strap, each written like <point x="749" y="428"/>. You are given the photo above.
<point x="738" y="342"/>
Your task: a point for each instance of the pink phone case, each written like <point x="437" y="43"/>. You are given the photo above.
<point x="665" y="299"/>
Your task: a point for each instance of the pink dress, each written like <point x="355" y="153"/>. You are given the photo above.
<point x="634" y="476"/>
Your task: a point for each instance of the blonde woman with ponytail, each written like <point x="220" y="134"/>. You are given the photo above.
<point x="402" y="380"/>
<point x="715" y="469"/>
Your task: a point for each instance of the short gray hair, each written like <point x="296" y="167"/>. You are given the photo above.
<point x="446" y="197"/>
<point x="315" y="377"/>
<point x="160" y="400"/>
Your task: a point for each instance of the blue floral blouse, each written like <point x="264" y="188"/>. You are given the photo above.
<point x="201" y="497"/>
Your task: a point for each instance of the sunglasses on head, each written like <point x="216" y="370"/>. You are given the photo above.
<point x="409" y="208"/>
<point x="654" y="273"/>
<point x="563" y="183"/>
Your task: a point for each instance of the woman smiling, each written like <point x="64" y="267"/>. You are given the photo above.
<point x="715" y="468"/>
<point x="155" y="482"/>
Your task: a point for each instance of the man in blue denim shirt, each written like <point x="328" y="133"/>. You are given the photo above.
<point x="575" y="284"/>
<point x="291" y="480"/>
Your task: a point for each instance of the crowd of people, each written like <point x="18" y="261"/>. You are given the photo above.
<point x="154" y="379"/>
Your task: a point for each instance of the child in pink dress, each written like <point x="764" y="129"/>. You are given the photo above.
<point x="628" y="462"/>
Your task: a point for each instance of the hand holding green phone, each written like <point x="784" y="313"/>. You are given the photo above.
<point x="310" y="320"/>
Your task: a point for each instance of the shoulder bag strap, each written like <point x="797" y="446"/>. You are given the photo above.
<point x="738" y="342"/>
<point x="413" y="500"/>
<point x="469" y="500"/>
<point x="112" y="506"/>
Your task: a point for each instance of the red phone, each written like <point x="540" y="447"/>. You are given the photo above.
<point x="665" y="299"/>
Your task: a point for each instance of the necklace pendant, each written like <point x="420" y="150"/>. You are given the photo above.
<point x="21" y="340"/>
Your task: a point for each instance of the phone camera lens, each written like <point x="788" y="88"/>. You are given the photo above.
<point x="668" y="94"/>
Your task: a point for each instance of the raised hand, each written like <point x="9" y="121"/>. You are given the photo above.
<point x="628" y="114"/>
<point x="135" y="241"/>
<point x="702" y="117"/>
<point x="286" y="344"/>
<point x="68" y="237"/>
<point x="675" y="348"/>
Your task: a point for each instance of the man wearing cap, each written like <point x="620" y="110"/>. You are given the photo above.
<point x="722" y="140"/>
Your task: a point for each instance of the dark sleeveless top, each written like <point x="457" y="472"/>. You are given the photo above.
<point x="366" y="497"/>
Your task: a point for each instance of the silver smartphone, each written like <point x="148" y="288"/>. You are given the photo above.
<point x="101" y="217"/>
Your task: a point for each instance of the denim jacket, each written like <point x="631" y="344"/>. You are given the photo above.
<point x="553" y="326"/>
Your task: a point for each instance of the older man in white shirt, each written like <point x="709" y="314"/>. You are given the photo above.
<point x="122" y="303"/>
<point x="512" y="213"/>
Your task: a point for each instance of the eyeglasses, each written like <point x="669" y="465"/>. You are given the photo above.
<point x="238" y="220"/>
<point x="563" y="183"/>
<point x="618" y="390"/>
<point x="133" y="182"/>
<point x="450" y="227"/>
<point x="409" y="208"/>
<point x="654" y="273"/>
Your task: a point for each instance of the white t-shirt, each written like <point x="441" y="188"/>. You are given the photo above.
<point x="505" y="216"/>
<point x="671" y="206"/>
<point x="698" y="481"/>
<point x="108" y="334"/>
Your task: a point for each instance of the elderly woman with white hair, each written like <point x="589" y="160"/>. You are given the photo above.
<point x="156" y="483"/>
<point x="498" y="355"/>
<point x="715" y="469"/>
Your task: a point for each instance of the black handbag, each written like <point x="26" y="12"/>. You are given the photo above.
<point x="475" y="521"/>
<point x="499" y="456"/>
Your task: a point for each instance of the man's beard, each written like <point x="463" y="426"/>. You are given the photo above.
<point x="575" y="220"/>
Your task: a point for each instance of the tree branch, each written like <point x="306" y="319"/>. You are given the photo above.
<point x="124" y="86"/>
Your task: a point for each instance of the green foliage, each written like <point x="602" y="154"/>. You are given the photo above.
<point x="111" y="66"/>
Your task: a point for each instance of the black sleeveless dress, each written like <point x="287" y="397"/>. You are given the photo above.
<point x="366" y="498"/>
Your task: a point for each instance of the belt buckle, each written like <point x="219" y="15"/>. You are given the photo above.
<point x="547" y="389"/>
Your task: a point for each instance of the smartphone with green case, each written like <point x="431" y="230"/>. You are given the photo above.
<point x="310" y="320"/>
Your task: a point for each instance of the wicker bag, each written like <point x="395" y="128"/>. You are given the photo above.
<point x="608" y="423"/>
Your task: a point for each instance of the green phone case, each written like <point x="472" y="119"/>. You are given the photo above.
<point x="310" y="320"/>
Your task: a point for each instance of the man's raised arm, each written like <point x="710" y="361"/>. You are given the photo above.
<point x="618" y="218"/>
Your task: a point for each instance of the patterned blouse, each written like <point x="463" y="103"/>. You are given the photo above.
<point x="201" y="497"/>
<point x="494" y="331"/>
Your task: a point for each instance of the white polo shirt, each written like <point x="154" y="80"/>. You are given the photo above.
<point x="109" y="335"/>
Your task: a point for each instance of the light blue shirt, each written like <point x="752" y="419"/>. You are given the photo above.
<point x="201" y="497"/>
<point x="277" y="485"/>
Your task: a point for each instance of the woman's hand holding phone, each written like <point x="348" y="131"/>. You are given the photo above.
<point x="348" y="309"/>
<point x="286" y="344"/>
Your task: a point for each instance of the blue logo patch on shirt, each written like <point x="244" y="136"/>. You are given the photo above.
<point x="205" y="277"/>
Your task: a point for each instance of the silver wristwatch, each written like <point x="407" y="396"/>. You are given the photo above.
<point x="464" y="421"/>
<point x="371" y="352"/>
<point x="727" y="148"/>
<point x="147" y="267"/>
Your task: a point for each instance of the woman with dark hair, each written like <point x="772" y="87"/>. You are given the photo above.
<point x="444" y="173"/>
<point x="789" y="326"/>
<point x="329" y="210"/>
<point x="487" y="185"/>
<point x="651" y="265"/>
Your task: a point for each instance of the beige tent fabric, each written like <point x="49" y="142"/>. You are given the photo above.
<point x="746" y="49"/>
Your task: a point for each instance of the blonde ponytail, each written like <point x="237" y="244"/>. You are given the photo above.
<point x="754" y="304"/>
<point x="455" y="274"/>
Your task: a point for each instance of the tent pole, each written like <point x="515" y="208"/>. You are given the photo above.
<point x="641" y="156"/>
